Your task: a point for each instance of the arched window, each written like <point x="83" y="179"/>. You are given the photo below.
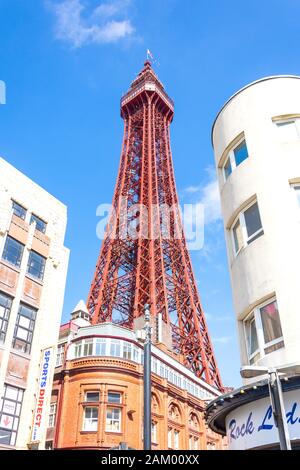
<point x="174" y="427"/>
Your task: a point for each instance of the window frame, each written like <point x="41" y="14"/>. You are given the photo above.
<point x="255" y="315"/>
<point x="30" y="331"/>
<point x="112" y="392"/>
<point x="15" y="415"/>
<point x="18" y="264"/>
<point x="60" y="353"/>
<point x="231" y="159"/>
<point x="4" y="319"/>
<point x="23" y="209"/>
<point x="94" y="392"/>
<point x="245" y="237"/>
<point x="90" y="419"/>
<point x="113" y="420"/>
<point x="52" y="414"/>
<point x="35" y="218"/>
<point x="282" y="122"/>
<point x="41" y="271"/>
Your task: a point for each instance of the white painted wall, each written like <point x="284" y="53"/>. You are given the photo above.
<point x="272" y="262"/>
<point x="15" y="185"/>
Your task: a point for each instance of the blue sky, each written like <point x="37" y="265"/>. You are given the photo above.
<point x="66" y="64"/>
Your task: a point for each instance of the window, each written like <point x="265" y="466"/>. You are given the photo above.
<point x="5" y="306"/>
<point x="170" y="438"/>
<point x="193" y="442"/>
<point x="78" y="349"/>
<point x="52" y="415"/>
<point x="247" y="228"/>
<point x="40" y="224"/>
<point x="288" y="130"/>
<point x="90" y="422"/>
<point x="60" y="355"/>
<point x="88" y="347"/>
<point x="18" y="210"/>
<point x="92" y="396"/>
<point x="114" y="397"/>
<point x="113" y="419"/>
<point x="127" y="351"/>
<point x="10" y="411"/>
<point x="115" y="348"/>
<point x="100" y="347"/>
<point x="235" y="157"/>
<point x="263" y="331"/>
<point x="24" y="328"/>
<point x="176" y="439"/>
<point x="13" y="251"/>
<point x="36" y="265"/>
<point x="154" y="432"/>
<point x="296" y="188"/>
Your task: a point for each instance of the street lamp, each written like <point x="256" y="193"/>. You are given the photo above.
<point x="147" y="380"/>
<point x="276" y="397"/>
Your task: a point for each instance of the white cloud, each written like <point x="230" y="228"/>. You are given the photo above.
<point x="222" y="339"/>
<point x="75" y="26"/>
<point x="208" y="196"/>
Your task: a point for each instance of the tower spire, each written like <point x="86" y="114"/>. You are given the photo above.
<point x="138" y="264"/>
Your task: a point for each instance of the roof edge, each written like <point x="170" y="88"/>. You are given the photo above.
<point x="271" y="77"/>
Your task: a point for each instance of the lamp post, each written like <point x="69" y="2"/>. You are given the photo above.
<point x="276" y="397"/>
<point x="147" y="380"/>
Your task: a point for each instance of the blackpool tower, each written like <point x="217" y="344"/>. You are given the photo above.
<point x="143" y="260"/>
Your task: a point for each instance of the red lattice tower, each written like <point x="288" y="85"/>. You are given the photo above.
<point x="154" y="270"/>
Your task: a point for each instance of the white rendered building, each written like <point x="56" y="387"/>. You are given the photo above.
<point x="256" y="139"/>
<point x="33" y="269"/>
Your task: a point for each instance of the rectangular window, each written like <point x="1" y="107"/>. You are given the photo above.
<point x="263" y="331"/>
<point x="13" y="251"/>
<point x="11" y="404"/>
<point x="176" y="439"/>
<point x="92" y="396"/>
<point x="40" y="224"/>
<point x="253" y="222"/>
<point x="78" y="349"/>
<point x="271" y="322"/>
<point x="5" y="307"/>
<point x="127" y="351"/>
<point x="90" y="422"/>
<point x="170" y="438"/>
<point x="88" y="347"/>
<point x="154" y="432"/>
<point x="100" y="347"/>
<point x="24" y="328"/>
<point x="114" y="397"/>
<point x="227" y="169"/>
<point x="18" y="210"/>
<point x="52" y="415"/>
<point x="296" y="188"/>
<point x="113" y="420"/>
<point x="236" y="156"/>
<point x="36" y="265"/>
<point x="115" y="348"/>
<point x="60" y="355"/>
<point x="247" y="228"/>
<point x="288" y="130"/>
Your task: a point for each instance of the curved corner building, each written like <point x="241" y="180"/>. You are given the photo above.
<point x="256" y="140"/>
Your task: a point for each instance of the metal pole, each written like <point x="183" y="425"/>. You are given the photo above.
<point x="147" y="381"/>
<point x="278" y="409"/>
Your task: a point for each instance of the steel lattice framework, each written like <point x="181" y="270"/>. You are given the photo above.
<point x="154" y="270"/>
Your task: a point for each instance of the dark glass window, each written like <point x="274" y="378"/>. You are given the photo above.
<point x="40" y="224"/>
<point x="253" y="222"/>
<point x="92" y="396"/>
<point x="240" y="153"/>
<point x="10" y="411"/>
<point x="227" y="169"/>
<point x="114" y="397"/>
<point x="18" y="210"/>
<point x="5" y="306"/>
<point x="36" y="265"/>
<point x="24" y="328"/>
<point x="13" y="251"/>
